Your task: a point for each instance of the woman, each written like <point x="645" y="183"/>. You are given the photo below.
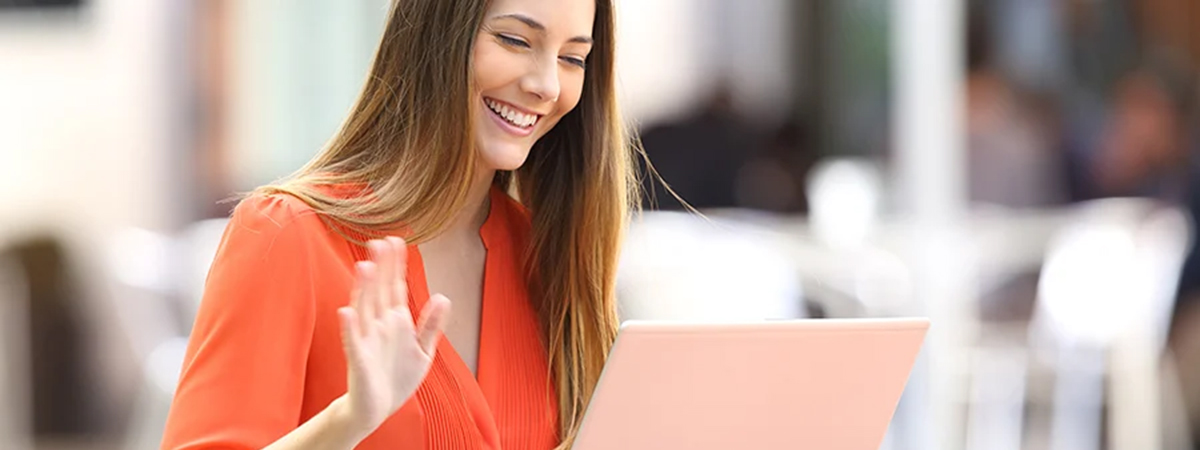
<point x="305" y="337"/>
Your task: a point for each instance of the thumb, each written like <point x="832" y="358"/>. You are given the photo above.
<point x="433" y="320"/>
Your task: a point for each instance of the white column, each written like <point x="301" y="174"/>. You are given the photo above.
<point x="930" y="175"/>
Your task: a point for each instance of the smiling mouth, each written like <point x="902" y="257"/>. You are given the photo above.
<point x="510" y="115"/>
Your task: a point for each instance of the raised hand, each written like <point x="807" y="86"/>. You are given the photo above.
<point x="387" y="357"/>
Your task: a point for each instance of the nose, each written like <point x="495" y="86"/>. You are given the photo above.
<point x="542" y="81"/>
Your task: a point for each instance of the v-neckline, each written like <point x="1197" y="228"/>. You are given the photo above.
<point x="416" y="271"/>
<point x="420" y="293"/>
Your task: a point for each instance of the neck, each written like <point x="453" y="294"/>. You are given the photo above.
<point x="467" y="222"/>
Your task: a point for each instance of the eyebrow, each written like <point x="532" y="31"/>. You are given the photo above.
<point x="532" y="23"/>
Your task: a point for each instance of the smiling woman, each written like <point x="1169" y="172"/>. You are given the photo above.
<point x="485" y="160"/>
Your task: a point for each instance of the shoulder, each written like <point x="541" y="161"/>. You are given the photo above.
<point x="274" y="216"/>
<point x="273" y="226"/>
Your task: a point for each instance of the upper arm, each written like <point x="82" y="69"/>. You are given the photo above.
<point x="243" y="377"/>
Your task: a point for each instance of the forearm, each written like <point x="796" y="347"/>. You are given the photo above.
<point x="329" y="429"/>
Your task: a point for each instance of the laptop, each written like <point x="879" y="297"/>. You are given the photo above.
<point x="793" y="384"/>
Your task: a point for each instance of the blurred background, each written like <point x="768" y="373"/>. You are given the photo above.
<point x="1023" y="172"/>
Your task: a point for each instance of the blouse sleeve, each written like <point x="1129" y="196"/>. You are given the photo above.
<point x="242" y="380"/>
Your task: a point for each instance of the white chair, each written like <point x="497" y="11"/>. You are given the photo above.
<point x="1137" y="385"/>
<point x="1104" y="305"/>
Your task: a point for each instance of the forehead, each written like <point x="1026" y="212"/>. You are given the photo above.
<point x="561" y="17"/>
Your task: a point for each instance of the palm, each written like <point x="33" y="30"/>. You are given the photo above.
<point x="387" y="355"/>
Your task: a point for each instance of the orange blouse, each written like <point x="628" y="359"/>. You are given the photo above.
<point x="265" y="354"/>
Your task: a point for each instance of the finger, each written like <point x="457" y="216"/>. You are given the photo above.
<point x="351" y="335"/>
<point x="433" y="320"/>
<point x="399" y="284"/>
<point x="400" y="277"/>
<point x="365" y="286"/>
<point x="381" y="254"/>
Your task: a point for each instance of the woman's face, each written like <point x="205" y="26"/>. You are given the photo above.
<point x="528" y="68"/>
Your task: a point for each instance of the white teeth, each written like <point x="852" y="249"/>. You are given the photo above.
<point x="514" y="117"/>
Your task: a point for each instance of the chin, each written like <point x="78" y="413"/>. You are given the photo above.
<point x="503" y="157"/>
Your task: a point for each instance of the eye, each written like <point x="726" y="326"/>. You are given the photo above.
<point x="574" y="61"/>
<point x="511" y="41"/>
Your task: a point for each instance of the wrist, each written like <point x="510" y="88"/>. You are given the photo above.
<point x="346" y="423"/>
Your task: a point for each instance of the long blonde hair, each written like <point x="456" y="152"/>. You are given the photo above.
<point x="409" y="141"/>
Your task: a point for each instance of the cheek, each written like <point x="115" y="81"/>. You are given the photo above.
<point x="493" y="67"/>
<point x="572" y="90"/>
